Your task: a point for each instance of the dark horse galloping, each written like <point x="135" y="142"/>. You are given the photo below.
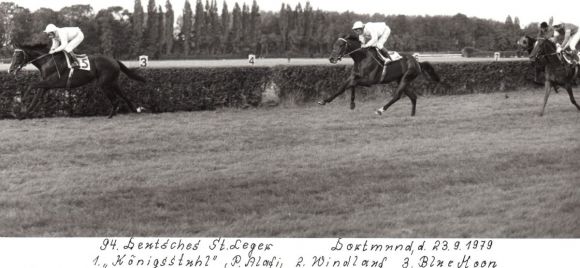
<point x="368" y="68"/>
<point x="557" y="71"/>
<point x="55" y="74"/>
<point x="527" y="43"/>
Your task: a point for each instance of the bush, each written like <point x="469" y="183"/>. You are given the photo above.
<point x="193" y="89"/>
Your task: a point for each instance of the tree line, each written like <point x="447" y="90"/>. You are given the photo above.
<point x="201" y="31"/>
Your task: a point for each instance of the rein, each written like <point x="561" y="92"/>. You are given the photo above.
<point x="346" y="48"/>
<point x="347" y="54"/>
<point x="26" y="61"/>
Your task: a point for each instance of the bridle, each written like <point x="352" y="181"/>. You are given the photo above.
<point x="344" y="49"/>
<point x="26" y="57"/>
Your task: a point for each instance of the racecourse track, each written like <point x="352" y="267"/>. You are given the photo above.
<point x="481" y="165"/>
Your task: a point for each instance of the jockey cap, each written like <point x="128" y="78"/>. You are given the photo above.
<point x="50" y="28"/>
<point x="358" y="25"/>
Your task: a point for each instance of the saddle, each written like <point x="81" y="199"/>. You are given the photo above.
<point x="393" y="56"/>
<point x="570" y="57"/>
<point x="78" y="61"/>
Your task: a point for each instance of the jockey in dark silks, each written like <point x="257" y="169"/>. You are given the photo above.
<point x="65" y="39"/>
<point x="544" y="30"/>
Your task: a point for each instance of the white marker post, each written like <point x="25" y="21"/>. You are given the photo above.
<point x="143" y="61"/>
<point x="252" y="59"/>
<point x="496" y="56"/>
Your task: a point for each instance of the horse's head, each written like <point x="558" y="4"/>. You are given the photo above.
<point x="542" y="48"/>
<point x="25" y="54"/>
<point x="19" y="59"/>
<point x="526" y="43"/>
<point x="344" y="45"/>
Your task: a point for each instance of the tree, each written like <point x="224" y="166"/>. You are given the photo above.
<point x="137" y="31"/>
<point x="168" y="27"/>
<point x="198" y="26"/>
<point x="236" y="32"/>
<point x="225" y="24"/>
<point x="284" y="27"/>
<point x="517" y="25"/>
<point x="21" y="27"/>
<point x="105" y="21"/>
<point x="254" y="27"/>
<point x="151" y="33"/>
<point x="186" y="27"/>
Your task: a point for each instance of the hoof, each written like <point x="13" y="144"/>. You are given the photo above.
<point x="352" y="105"/>
<point x="322" y="102"/>
<point x="379" y="112"/>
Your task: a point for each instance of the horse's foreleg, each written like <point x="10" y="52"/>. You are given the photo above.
<point x="35" y="101"/>
<point x="571" y="94"/>
<point x="343" y="88"/>
<point x="398" y="94"/>
<point x="117" y="89"/>
<point x="548" y="87"/>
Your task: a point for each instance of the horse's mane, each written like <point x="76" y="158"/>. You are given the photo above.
<point x="351" y="37"/>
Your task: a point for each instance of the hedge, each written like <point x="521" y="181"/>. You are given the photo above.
<point x="192" y="89"/>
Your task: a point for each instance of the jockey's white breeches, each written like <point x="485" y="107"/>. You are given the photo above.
<point x="383" y="38"/>
<point x="574" y="40"/>
<point x="74" y="43"/>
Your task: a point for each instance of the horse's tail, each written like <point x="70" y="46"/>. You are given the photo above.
<point x="130" y="73"/>
<point x="428" y="69"/>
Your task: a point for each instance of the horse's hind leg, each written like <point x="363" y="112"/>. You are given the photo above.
<point x="571" y="94"/>
<point x="112" y="98"/>
<point x="352" y="96"/>
<point x="413" y="98"/>
<point x="117" y="89"/>
<point x="398" y="94"/>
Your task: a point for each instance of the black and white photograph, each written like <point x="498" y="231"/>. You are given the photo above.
<point x="289" y="119"/>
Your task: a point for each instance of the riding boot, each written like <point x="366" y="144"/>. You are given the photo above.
<point x="74" y="63"/>
<point x="386" y="53"/>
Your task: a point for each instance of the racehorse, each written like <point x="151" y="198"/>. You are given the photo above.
<point x="56" y="74"/>
<point x="526" y="43"/>
<point x="368" y="68"/>
<point x="557" y="71"/>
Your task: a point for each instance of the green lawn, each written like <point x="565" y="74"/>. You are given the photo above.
<point x="465" y="166"/>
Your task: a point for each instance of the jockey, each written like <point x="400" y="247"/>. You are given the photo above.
<point x="376" y="33"/>
<point x="65" y="39"/>
<point x="566" y="37"/>
<point x="544" y="30"/>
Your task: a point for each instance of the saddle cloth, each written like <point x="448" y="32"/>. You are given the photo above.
<point x="393" y="54"/>
<point x="571" y="58"/>
<point x="83" y="60"/>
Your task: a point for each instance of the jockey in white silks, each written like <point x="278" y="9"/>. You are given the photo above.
<point x="376" y="33"/>
<point x="570" y="39"/>
<point x="65" y="39"/>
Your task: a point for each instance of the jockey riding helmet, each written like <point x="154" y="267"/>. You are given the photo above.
<point x="358" y="25"/>
<point x="50" y="28"/>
